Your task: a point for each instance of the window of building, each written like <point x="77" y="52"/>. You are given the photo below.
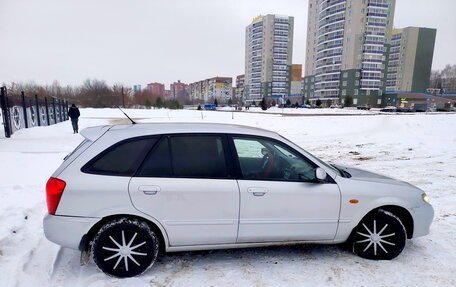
<point x="357" y="74"/>
<point x="379" y="101"/>
<point x="355" y="92"/>
<point x="344" y="83"/>
<point x="345" y="74"/>
<point x="344" y="92"/>
<point x="355" y="101"/>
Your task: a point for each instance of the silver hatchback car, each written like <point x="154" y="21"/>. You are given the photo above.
<point x="128" y="191"/>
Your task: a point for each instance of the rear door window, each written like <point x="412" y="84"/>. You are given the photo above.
<point x="198" y="156"/>
<point x="191" y="156"/>
<point x="158" y="162"/>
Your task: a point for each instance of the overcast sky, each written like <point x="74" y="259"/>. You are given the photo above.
<point x="143" y="41"/>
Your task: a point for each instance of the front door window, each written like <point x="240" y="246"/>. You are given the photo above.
<point x="262" y="159"/>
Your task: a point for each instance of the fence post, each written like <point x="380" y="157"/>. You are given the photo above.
<point x="31" y="106"/>
<point x="47" y="111"/>
<point x="8" y="113"/>
<point x="5" y="112"/>
<point x="61" y="110"/>
<point x="38" y="112"/>
<point x="66" y="111"/>
<point x="24" y="109"/>
<point x="53" y="108"/>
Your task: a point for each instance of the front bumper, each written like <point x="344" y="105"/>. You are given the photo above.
<point x="67" y="231"/>
<point x="422" y="218"/>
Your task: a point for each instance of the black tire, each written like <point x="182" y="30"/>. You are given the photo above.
<point x="381" y="236"/>
<point x="127" y="233"/>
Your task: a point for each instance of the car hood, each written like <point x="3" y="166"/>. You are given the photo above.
<point x="364" y="175"/>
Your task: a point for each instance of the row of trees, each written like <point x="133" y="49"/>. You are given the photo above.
<point x="444" y="79"/>
<point x="94" y="93"/>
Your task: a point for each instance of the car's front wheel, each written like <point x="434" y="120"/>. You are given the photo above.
<point x="125" y="247"/>
<point x="381" y="236"/>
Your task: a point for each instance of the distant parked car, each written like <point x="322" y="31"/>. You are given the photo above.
<point x="420" y="107"/>
<point x="306" y="106"/>
<point x="405" y="110"/>
<point x="210" y="107"/>
<point x="128" y="191"/>
<point x="335" y="106"/>
<point x="364" y="107"/>
<point x="389" y="109"/>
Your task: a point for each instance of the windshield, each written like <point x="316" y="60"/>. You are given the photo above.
<point x="316" y="159"/>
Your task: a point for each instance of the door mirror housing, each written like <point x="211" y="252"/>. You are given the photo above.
<point x="320" y="174"/>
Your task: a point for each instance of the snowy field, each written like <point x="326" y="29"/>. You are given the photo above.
<point x="418" y="148"/>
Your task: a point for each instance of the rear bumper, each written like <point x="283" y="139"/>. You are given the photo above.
<point x="422" y="219"/>
<point x="67" y="231"/>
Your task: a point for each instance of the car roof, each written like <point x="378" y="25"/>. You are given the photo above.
<point x="180" y="127"/>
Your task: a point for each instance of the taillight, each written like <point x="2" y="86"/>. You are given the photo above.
<point x="54" y="191"/>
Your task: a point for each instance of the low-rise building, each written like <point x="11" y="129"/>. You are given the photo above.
<point x="239" y="89"/>
<point x="206" y="91"/>
<point x="156" y="89"/>
<point x="295" y="95"/>
<point x="179" y="92"/>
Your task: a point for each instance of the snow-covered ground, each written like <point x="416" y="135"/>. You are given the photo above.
<point x="416" y="148"/>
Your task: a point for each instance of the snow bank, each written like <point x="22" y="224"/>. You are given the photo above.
<point x="416" y="148"/>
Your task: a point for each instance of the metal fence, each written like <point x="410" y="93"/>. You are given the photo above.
<point x="20" y="111"/>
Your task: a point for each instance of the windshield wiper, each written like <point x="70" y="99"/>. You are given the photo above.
<point x="342" y="172"/>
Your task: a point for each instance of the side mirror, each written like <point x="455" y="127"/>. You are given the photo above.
<point x="320" y="173"/>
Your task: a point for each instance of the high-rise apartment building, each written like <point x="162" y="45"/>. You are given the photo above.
<point x="268" y="57"/>
<point x="410" y="59"/>
<point x="346" y="51"/>
<point x="136" y="88"/>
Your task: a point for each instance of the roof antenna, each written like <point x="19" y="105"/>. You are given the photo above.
<point x="132" y="121"/>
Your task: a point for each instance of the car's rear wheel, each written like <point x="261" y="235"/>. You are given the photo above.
<point x="381" y="236"/>
<point x="125" y="247"/>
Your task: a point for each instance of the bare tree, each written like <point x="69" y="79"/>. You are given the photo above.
<point x="96" y="93"/>
<point x="449" y="78"/>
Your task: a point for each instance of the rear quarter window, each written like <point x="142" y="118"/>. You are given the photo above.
<point x="121" y="159"/>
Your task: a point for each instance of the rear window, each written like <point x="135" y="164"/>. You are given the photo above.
<point x="76" y="149"/>
<point x="121" y="159"/>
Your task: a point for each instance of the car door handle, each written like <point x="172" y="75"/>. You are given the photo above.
<point x="257" y="191"/>
<point x="149" y="189"/>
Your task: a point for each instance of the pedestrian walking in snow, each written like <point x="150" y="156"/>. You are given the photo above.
<point x="73" y="113"/>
